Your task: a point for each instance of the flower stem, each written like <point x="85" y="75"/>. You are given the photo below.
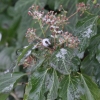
<point x="88" y="13"/>
<point x="72" y="14"/>
<point x="41" y="27"/>
<point x="46" y="29"/>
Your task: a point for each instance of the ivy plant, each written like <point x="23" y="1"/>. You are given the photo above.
<point x="57" y="51"/>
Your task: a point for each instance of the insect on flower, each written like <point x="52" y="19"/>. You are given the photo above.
<point x="46" y="42"/>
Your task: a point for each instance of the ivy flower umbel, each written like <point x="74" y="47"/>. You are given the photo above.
<point x="55" y="24"/>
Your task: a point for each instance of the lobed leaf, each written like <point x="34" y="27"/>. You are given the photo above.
<point x="7" y="81"/>
<point x="53" y="92"/>
<point x="86" y="32"/>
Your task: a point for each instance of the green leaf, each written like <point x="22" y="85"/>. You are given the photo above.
<point x="24" y="52"/>
<point x="92" y="92"/>
<point x="94" y="10"/>
<point x="91" y="67"/>
<point x="38" y="64"/>
<point x="79" y="87"/>
<point x="13" y="28"/>
<point x="93" y="47"/>
<point x="53" y="93"/>
<point x="86" y="32"/>
<point x="70" y="88"/>
<point x="3" y="6"/>
<point x="98" y="57"/>
<point x="27" y="91"/>
<point x="98" y="54"/>
<point x="7" y="81"/>
<point x="38" y="88"/>
<point x="62" y="61"/>
<point x="71" y="8"/>
<point x="3" y="96"/>
<point x="6" y="58"/>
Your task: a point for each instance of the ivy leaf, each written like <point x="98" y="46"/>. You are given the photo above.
<point x="53" y="93"/>
<point x="6" y="58"/>
<point x="98" y="54"/>
<point x="7" y="81"/>
<point x="38" y="87"/>
<point x="38" y="64"/>
<point x="98" y="57"/>
<point x="24" y="52"/>
<point x="93" y="10"/>
<point x="93" y="47"/>
<point x="3" y="96"/>
<point x="91" y="67"/>
<point x="78" y="88"/>
<point x="27" y="91"/>
<point x="86" y="32"/>
<point x="62" y="61"/>
<point x="70" y="88"/>
<point x="92" y="92"/>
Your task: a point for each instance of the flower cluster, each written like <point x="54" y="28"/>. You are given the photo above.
<point x="69" y="40"/>
<point x="34" y="11"/>
<point x="55" y="25"/>
<point x="82" y="7"/>
<point x="30" y="35"/>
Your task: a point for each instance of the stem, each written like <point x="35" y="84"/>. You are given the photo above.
<point x="14" y="95"/>
<point x="88" y="13"/>
<point x="41" y="27"/>
<point x="38" y="38"/>
<point x="65" y="12"/>
<point x="73" y="14"/>
<point x="46" y="29"/>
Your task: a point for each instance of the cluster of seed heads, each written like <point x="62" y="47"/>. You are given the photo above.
<point x="69" y="40"/>
<point x="30" y="35"/>
<point x="55" y="24"/>
<point x="82" y="7"/>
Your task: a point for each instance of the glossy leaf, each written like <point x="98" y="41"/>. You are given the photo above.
<point x="91" y="67"/>
<point x="24" y="52"/>
<point x="38" y="87"/>
<point x="93" y="9"/>
<point x="88" y="65"/>
<point x="7" y="81"/>
<point x="86" y="32"/>
<point x="80" y="87"/>
<point x="70" y="88"/>
<point x="38" y="64"/>
<point x="62" y="61"/>
<point x="93" y="47"/>
<point x="98" y="54"/>
<point x="27" y="91"/>
<point x="6" y="58"/>
<point x="91" y="89"/>
<point x="53" y="93"/>
<point x="3" y="96"/>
